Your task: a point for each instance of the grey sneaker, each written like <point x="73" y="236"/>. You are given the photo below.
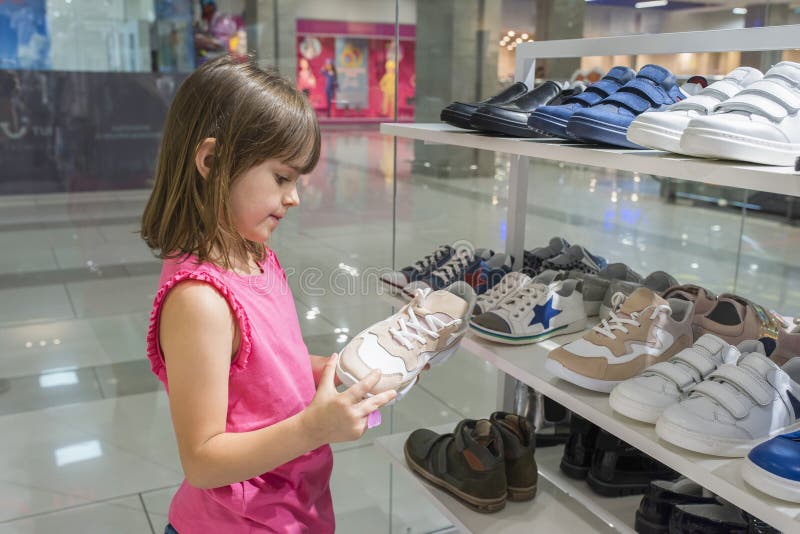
<point x="576" y="258"/>
<point x="658" y="281"/>
<point x="596" y="286"/>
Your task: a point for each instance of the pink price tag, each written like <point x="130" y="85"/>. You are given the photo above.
<point x="374" y="419"/>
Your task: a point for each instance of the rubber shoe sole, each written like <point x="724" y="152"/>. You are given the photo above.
<point x="633" y="409"/>
<point x="508" y="339"/>
<point x="706" y="142"/>
<point x="486" y="506"/>
<point x="596" y="131"/>
<point x="557" y="369"/>
<point x="769" y="483"/>
<point x="657" y="137"/>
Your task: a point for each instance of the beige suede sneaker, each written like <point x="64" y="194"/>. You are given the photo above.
<point x="643" y="330"/>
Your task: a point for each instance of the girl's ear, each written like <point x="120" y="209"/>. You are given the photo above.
<point x="204" y="156"/>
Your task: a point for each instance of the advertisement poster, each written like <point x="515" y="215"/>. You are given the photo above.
<point x="24" y="42"/>
<point x="352" y="56"/>
<point x="348" y="70"/>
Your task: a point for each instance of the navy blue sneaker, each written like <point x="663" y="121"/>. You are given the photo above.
<point x="552" y="120"/>
<point x="490" y="273"/>
<point x="653" y="89"/>
<point x="419" y="270"/>
<point x="774" y="466"/>
<point x="576" y="258"/>
<point x="463" y="265"/>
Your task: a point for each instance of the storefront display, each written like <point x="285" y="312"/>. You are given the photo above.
<point x="349" y="70"/>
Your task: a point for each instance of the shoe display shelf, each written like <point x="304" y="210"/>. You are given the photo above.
<point x="527" y="363"/>
<point x="561" y="504"/>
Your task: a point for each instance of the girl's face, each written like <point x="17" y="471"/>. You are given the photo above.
<point x="261" y="197"/>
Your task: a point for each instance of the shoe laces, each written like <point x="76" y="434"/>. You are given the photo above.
<point x="411" y="329"/>
<point x="619" y="322"/>
<point x="507" y="286"/>
<point x="455" y="267"/>
<point x="428" y="260"/>
<point x="525" y="298"/>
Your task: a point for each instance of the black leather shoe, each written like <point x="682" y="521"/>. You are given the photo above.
<point x="719" y="518"/>
<point x="619" y="469"/>
<point x="460" y="113"/>
<point x="579" y="449"/>
<point x="661" y="498"/>
<point x="512" y="118"/>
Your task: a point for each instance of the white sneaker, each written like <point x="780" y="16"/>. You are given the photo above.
<point x="645" y="397"/>
<point x="427" y="330"/>
<point x="736" y="407"/>
<point x="534" y="313"/>
<point x="761" y="124"/>
<point x="662" y="130"/>
<point x="508" y="286"/>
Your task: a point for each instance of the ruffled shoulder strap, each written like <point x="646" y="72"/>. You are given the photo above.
<point x="153" y="346"/>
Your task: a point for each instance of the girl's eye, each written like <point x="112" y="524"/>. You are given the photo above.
<point x="281" y="179"/>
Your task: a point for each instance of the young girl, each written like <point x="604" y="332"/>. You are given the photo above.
<point x="253" y="413"/>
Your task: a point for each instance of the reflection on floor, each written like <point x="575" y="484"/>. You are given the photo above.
<point x="86" y="427"/>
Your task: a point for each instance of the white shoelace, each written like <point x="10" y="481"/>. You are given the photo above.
<point x="616" y="322"/>
<point x="415" y="331"/>
<point x="454" y="267"/>
<point x="507" y="286"/>
<point x="525" y="298"/>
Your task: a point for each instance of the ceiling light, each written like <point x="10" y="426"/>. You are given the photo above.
<point x="740" y="11"/>
<point x="519" y="40"/>
<point x="509" y="47"/>
<point x="502" y="43"/>
<point x="511" y="33"/>
<point x="524" y="36"/>
<point x="651" y="3"/>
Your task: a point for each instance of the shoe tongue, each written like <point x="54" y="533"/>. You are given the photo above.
<point x="786" y="69"/>
<point x="639" y="300"/>
<point x="744" y="76"/>
<point x="658" y="75"/>
<point x="757" y="363"/>
<point x="442" y="303"/>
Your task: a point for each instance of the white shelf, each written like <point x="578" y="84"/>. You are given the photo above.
<point x="553" y="510"/>
<point x="781" y="180"/>
<point x="719" y="475"/>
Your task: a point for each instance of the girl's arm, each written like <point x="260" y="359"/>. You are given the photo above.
<point x="318" y="365"/>
<point x="196" y="334"/>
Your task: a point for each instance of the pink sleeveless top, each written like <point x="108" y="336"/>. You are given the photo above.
<point x="270" y="380"/>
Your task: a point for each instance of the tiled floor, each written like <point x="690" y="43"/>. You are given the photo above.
<point x="87" y="438"/>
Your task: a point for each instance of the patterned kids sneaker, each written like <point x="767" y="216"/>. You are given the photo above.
<point x="645" y="329"/>
<point x="735" y="408"/>
<point x="535" y="313"/>
<point x="397" y="280"/>
<point x="576" y="258"/>
<point x="657" y="281"/>
<point x="490" y="274"/>
<point x="427" y="330"/>
<point x="653" y="89"/>
<point x="663" y="130"/>
<point x="464" y="263"/>
<point x="552" y="120"/>
<point x="533" y="260"/>
<point x="774" y="466"/>
<point x="468" y="463"/>
<point x="645" y="397"/>
<point x="509" y="285"/>
<point x="760" y="124"/>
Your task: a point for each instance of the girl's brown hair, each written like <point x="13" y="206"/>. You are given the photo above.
<point x="254" y="115"/>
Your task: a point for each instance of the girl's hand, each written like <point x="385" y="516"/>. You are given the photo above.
<point x="334" y="417"/>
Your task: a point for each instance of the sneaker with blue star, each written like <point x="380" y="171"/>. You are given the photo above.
<point x="535" y="313"/>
